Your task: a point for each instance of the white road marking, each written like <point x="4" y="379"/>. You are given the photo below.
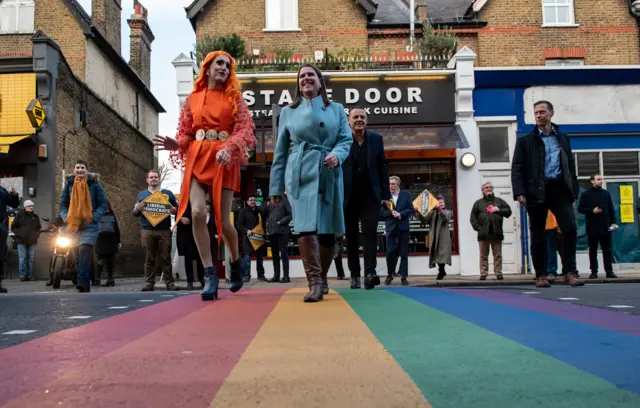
<point x="20" y="332"/>
<point x="187" y="352"/>
<point x="167" y="295"/>
<point x="80" y="317"/>
<point x="568" y="299"/>
<point x="146" y="300"/>
<point x="119" y="307"/>
<point x="621" y="306"/>
<point x="530" y="293"/>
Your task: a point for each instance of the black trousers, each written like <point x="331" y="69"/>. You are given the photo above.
<point x="398" y="247"/>
<point x="279" y="244"/>
<point x="605" y="243"/>
<point x="188" y="268"/>
<point x="4" y="235"/>
<point x="560" y="201"/>
<point x="365" y="212"/>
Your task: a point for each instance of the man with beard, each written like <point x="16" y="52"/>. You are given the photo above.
<point x="487" y="215"/>
<point x="250" y="217"/>
<point x="597" y="206"/>
<point x="366" y="186"/>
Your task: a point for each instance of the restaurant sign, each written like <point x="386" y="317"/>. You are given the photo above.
<point x="387" y="99"/>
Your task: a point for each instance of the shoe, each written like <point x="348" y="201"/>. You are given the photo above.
<point x="83" y="289"/>
<point x="210" y="290"/>
<point x="326" y="257"/>
<point x="371" y="281"/>
<point x="2" y="289"/>
<point x="149" y="287"/>
<point x="542" y="282"/>
<point x="612" y="276"/>
<point x="190" y="286"/>
<point x="310" y="254"/>
<point x="571" y="280"/>
<point x="49" y="282"/>
<point x="355" y="283"/>
<point x="404" y="281"/>
<point x="235" y="279"/>
<point x="388" y="280"/>
<point x="500" y="277"/>
<point x="172" y="287"/>
<point x="108" y="283"/>
<point x="275" y="279"/>
<point x="483" y="277"/>
<point x="594" y="275"/>
<point x="285" y="279"/>
<point x="262" y="279"/>
<point x="441" y="275"/>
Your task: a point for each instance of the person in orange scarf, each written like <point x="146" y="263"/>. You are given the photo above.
<point x="82" y="205"/>
<point x="214" y="132"/>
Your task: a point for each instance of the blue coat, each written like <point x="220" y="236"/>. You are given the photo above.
<point x="89" y="232"/>
<point x="405" y="207"/>
<point x="306" y="135"/>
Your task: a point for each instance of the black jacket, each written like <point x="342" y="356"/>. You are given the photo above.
<point x="597" y="224"/>
<point x="404" y="206"/>
<point x="6" y="199"/>
<point x="26" y="228"/>
<point x="489" y="225"/>
<point x="527" y="166"/>
<point x="279" y="218"/>
<point x="185" y="243"/>
<point x="378" y="169"/>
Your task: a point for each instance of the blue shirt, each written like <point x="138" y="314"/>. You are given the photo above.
<point x="164" y="224"/>
<point x="552" y="170"/>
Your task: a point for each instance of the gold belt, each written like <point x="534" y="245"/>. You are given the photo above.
<point x="211" y="135"/>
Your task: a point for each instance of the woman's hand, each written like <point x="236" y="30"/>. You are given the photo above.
<point x="275" y="201"/>
<point x="331" y="161"/>
<point x="185" y="220"/>
<point x="165" y="143"/>
<point x="223" y="157"/>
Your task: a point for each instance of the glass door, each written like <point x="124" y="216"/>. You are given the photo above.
<point x="626" y="239"/>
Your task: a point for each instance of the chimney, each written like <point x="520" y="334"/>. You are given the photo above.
<point x="141" y="39"/>
<point x="105" y="15"/>
<point x="421" y="10"/>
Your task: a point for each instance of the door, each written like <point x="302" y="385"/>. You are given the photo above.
<point x="626" y="239"/>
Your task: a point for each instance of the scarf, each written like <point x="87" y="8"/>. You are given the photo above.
<point x="80" y="207"/>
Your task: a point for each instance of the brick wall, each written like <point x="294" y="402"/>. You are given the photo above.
<point x="105" y="15"/>
<point x="514" y="36"/>
<point x="15" y="45"/>
<point x="112" y="148"/>
<point x="333" y="24"/>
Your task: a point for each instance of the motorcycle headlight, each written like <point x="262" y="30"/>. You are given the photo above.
<point x="63" y="242"/>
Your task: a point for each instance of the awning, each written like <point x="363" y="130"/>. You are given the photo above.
<point x="7" y="140"/>
<point x="423" y="137"/>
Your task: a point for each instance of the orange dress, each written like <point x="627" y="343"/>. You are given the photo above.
<point x="210" y="109"/>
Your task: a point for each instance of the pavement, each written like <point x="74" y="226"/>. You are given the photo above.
<point x="457" y="347"/>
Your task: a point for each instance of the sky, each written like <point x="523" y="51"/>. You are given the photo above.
<point x="174" y="34"/>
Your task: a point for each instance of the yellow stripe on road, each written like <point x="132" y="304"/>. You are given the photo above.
<point x="317" y="355"/>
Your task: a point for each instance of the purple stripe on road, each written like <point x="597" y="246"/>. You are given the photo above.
<point x="621" y="322"/>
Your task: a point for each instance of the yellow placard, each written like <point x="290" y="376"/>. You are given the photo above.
<point x="11" y="221"/>
<point x="258" y="237"/>
<point x="425" y="202"/>
<point x="157" y="208"/>
<point x="626" y="194"/>
<point x="35" y="113"/>
<point x="627" y="213"/>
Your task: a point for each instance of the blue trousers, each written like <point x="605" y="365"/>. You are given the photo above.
<point x="26" y="255"/>
<point x="83" y="265"/>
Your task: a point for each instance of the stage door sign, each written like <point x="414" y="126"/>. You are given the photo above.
<point x="157" y="208"/>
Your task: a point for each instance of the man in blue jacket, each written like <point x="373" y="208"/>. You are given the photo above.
<point x="396" y="219"/>
<point x="156" y="240"/>
<point x="366" y="186"/>
<point x="597" y="206"/>
<point x="11" y="199"/>
<point x="80" y="192"/>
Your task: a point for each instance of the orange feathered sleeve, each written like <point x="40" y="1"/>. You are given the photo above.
<point x="242" y="137"/>
<point x="184" y="137"/>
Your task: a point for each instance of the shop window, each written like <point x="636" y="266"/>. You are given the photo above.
<point x="281" y="15"/>
<point x="564" y="62"/>
<point x="620" y="163"/>
<point x="588" y="163"/>
<point x="557" y="12"/>
<point x="494" y="144"/>
<point x="17" y="16"/>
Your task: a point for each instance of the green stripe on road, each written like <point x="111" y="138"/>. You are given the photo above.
<point x="460" y="365"/>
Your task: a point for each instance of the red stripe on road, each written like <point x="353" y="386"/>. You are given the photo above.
<point x="183" y="363"/>
<point x="32" y="364"/>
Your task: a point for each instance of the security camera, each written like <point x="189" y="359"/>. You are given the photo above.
<point x="635" y="8"/>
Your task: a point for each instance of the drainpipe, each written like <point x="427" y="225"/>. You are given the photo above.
<point x="412" y="22"/>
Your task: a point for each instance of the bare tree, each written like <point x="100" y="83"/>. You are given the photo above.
<point x="165" y="171"/>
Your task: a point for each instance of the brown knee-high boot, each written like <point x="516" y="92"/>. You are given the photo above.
<point x="326" y="257"/>
<point x="310" y="253"/>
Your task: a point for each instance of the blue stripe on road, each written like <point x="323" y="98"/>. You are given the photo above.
<point x="610" y="355"/>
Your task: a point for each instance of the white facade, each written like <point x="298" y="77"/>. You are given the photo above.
<point x="468" y="181"/>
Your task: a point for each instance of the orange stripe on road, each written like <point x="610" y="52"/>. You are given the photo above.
<point x="317" y="355"/>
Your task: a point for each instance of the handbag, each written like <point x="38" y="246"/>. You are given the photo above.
<point x="107" y="224"/>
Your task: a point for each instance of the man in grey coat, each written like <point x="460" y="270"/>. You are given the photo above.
<point x="278" y="220"/>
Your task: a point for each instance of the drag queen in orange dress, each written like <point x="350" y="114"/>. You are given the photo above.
<point x="214" y="132"/>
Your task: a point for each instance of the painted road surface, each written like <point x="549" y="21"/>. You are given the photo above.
<point x="391" y="347"/>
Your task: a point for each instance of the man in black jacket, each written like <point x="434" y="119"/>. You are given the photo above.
<point x="366" y="185"/>
<point x="543" y="177"/>
<point x="249" y="218"/>
<point x="278" y="229"/>
<point x="11" y="199"/>
<point x="597" y="206"/>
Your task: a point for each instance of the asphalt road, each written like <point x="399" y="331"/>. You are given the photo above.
<point x="44" y="313"/>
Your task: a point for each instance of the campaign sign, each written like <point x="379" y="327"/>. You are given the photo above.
<point x="157" y="208"/>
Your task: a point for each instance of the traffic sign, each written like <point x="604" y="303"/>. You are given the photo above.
<point x="36" y="113"/>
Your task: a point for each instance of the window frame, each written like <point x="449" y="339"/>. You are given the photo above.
<point x="561" y="62"/>
<point x="296" y="23"/>
<point x="510" y="122"/>
<point x="18" y="5"/>
<point x="572" y="14"/>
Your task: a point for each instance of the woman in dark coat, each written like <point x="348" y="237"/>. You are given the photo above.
<point x="107" y="245"/>
<point x="187" y="247"/>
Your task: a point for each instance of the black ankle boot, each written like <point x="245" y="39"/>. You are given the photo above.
<point x="210" y="290"/>
<point x="235" y="276"/>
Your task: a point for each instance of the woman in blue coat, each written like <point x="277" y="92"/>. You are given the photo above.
<point x="314" y="139"/>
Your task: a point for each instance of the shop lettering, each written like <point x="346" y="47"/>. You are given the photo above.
<point x="268" y="97"/>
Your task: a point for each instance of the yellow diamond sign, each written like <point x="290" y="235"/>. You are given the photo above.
<point x="35" y="112"/>
<point x="157" y="208"/>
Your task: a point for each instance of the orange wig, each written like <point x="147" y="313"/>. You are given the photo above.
<point x="232" y="86"/>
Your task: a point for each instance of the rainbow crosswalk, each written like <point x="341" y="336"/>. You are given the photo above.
<point x="396" y="347"/>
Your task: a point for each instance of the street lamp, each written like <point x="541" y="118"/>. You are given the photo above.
<point x="634" y="6"/>
<point x="468" y="160"/>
